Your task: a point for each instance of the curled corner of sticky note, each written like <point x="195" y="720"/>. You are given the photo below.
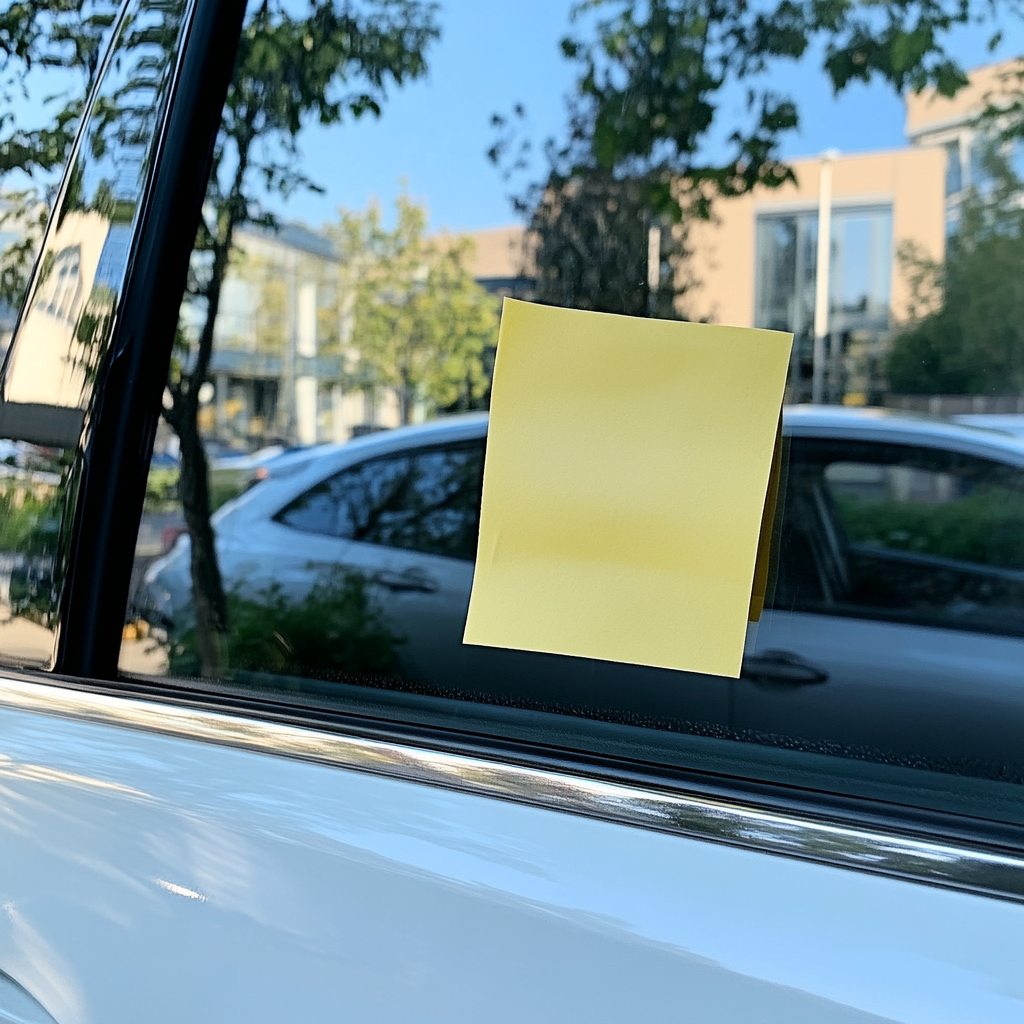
<point x="762" y="566"/>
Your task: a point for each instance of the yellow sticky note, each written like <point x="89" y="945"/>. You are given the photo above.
<point x="627" y="467"/>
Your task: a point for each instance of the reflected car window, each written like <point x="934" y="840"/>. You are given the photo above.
<point x="428" y="502"/>
<point x="904" y="534"/>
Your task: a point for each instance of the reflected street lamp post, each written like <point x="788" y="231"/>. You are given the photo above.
<point x="821" y="291"/>
<point x="653" y="269"/>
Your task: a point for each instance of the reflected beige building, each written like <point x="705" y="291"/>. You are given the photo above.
<point x="282" y="366"/>
<point x="756" y="263"/>
<point x="59" y="345"/>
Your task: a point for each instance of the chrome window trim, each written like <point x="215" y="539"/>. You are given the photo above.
<point x="933" y="862"/>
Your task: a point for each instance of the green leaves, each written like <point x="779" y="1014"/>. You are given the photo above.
<point x="652" y="75"/>
<point x="334" y="59"/>
<point x="968" y="336"/>
<point x="422" y="325"/>
<point x="292" y="69"/>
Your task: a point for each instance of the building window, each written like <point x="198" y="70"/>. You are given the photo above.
<point x="861" y="269"/>
<point x="786" y="249"/>
<point x="859" y="292"/>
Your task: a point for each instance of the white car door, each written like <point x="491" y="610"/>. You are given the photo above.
<point x="165" y="864"/>
<point x="552" y="840"/>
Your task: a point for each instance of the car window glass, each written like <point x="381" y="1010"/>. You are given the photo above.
<point x="442" y="507"/>
<point x="331" y="374"/>
<point x="971" y="512"/>
<point x="316" y="511"/>
<point x="429" y="502"/>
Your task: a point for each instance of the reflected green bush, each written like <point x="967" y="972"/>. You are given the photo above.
<point x="162" y="494"/>
<point x="29" y="525"/>
<point x="161" y="490"/>
<point x="986" y="527"/>
<point x="332" y="632"/>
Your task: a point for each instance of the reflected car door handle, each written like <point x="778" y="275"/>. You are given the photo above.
<point x="783" y="667"/>
<point x="409" y="580"/>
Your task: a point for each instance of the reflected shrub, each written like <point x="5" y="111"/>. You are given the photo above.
<point x="163" y="492"/>
<point x="30" y="522"/>
<point x="29" y="525"/>
<point x="335" y="631"/>
<point x="986" y="528"/>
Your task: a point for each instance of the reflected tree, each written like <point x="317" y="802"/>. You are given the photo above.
<point x="966" y="334"/>
<point x="422" y="324"/>
<point x="334" y="632"/>
<point x="642" y="147"/>
<point x="323" y="63"/>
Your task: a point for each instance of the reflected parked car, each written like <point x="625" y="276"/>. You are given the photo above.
<point x="899" y="574"/>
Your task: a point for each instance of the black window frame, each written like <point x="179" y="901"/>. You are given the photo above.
<point x="130" y="384"/>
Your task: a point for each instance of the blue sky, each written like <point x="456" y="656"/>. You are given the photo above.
<point x="493" y="53"/>
<point x="434" y="133"/>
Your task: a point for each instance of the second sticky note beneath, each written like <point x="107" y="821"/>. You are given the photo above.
<point x="625" y="479"/>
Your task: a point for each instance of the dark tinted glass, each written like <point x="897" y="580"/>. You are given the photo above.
<point x="906" y="535"/>
<point x="428" y="502"/>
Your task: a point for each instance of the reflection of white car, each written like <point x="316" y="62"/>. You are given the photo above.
<point x="893" y="601"/>
<point x="1008" y="423"/>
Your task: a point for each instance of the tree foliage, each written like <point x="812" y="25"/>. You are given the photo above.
<point x="967" y="335"/>
<point x="320" y="63"/>
<point x="652" y="79"/>
<point x="422" y="325"/>
<point x="65" y="37"/>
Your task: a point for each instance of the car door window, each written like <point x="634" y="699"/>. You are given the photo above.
<point x="360" y="339"/>
<point x="354" y="503"/>
<point x="904" y="534"/>
<point x="428" y="501"/>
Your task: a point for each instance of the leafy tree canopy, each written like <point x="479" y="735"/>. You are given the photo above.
<point x="967" y="335"/>
<point x="331" y="61"/>
<point x="421" y="323"/>
<point x="652" y="78"/>
<point x="319" y="63"/>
